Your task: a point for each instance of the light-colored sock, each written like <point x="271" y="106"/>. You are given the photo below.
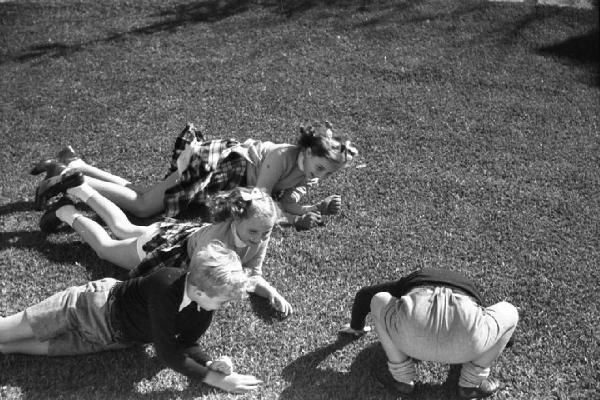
<point x="83" y="192"/>
<point x="67" y="214"/>
<point x="472" y="375"/>
<point x="405" y="371"/>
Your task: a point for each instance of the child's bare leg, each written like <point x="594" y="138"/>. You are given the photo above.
<point x="145" y="204"/>
<point x="98" y="173"/>
<point x="112" y="215"/>
<point x="14" y="328"/>
<point x="26" y="346"/>
<point x="121" y="252"/>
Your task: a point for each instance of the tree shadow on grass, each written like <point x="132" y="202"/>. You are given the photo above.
<point x="308" y="380"/>
<point x="173" y="18"/>
<point x="115" y="374"/>
<point x="582" y="50"/>
<point x="17" y="206"/>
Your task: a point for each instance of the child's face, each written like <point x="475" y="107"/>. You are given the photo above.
<point x="209" y="303"/>
<point x="318" y="167"/>
<point x="254" y="230"/>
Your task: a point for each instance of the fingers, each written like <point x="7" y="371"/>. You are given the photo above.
<point x="245" y="383"/>
<point x="281" y="305"/>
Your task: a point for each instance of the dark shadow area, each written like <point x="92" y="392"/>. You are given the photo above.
<point x="114" y="374"/>
<point x="262" y="309"/>
<point x="174" y="18"/>
<point x="582" y="50"/>
<point x="17" y="206"/>
<point x="307" y="379"/>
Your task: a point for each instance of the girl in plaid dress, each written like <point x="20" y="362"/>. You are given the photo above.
<point x="199" y="168"/>
<point x="245" y="218"/>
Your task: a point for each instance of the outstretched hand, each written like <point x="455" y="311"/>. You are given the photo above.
<point x="222" y="364"/>
<point x="235" y="383"/>
<point x="281" y="305"/>
<point x="308" y="221"/>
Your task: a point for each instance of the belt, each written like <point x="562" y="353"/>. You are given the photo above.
<point x="455" y="290"/>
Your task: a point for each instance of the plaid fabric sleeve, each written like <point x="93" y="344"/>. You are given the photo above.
<point x="213" y="167"/>
<point x="187" y="136"/>
<point x="167" y="249"/>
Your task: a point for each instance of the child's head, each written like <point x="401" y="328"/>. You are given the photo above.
<point x="253" y="211"/>
<point x="216" y="276"/>
<point x="324" y="153"/>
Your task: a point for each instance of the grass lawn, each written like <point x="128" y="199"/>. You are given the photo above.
<point x="478" y="127"/>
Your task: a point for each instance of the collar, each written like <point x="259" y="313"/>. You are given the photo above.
<point x="186" y="300"/>
<point x="301" y="160"/>
<point x="239" y="243"/>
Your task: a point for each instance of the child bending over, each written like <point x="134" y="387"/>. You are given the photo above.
<point x="436" y="315"/>
<point x="171" y="308"/>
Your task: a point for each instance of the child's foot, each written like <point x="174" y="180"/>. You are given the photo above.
<point x="57" y="184"/>
<point x="383" y="376"/>
<point x="487" y="388"/>
<point x="347" y="330"/>
<point x="67" y="155"/>
<point x="50" y="222"/>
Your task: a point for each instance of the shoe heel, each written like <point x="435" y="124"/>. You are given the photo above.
<point x="40" y="167"/>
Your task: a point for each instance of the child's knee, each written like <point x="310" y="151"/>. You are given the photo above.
<point x="507" y="313"/>
<point x="379" y="301"/>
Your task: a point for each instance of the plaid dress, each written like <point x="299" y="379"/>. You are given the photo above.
<point x="168" y="248"/>
<point x="215" y="165"/>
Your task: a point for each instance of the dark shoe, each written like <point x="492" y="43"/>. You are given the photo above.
<point x="384" y="377"/>
<point x="57" y="184"/>
<point x="67" y="155"/>
<point x="190" y="131"/>
<point x="51" y="167"/>
<point x="41" y="166"/>
<point x="487" y="388"/>
<point x="49" y="222"/>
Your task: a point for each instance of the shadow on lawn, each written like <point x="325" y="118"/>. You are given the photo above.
<point x="17" y="206"/>
<point x="581" y="50"/>
<point x="308" y="380"/>
<point x="177" y="17"/>
<point x="115" y="374"/>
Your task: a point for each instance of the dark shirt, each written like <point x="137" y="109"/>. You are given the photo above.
<point x="400" y="287"/>
<point x="146" y="310"/>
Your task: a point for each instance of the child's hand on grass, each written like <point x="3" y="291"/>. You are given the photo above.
<point x="307" y="221"/>
<point x="281" y="305"/>
<point x="330" y="205"/>
<point x="235" y="383"/>
<point x="222" y="364"/>
<point x="347" y="330"/>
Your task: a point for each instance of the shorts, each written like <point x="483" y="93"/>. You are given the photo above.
<point x="152" y="231"/>
<point x="441" y="325"/>
<point x="77" y="320"/>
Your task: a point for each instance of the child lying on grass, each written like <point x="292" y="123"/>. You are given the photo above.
<point x="200" y="168"/>
<point x="171" y="308"/>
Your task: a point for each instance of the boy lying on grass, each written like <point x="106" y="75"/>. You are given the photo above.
<point x="171" y="308"/>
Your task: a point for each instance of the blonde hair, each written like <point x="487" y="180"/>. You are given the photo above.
<point x="217" y="271"/>
<point x="322" y="142"/>
<point x="242" y="203"/>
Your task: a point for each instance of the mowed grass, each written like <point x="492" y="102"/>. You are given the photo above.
<point x="478" y="127"/>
